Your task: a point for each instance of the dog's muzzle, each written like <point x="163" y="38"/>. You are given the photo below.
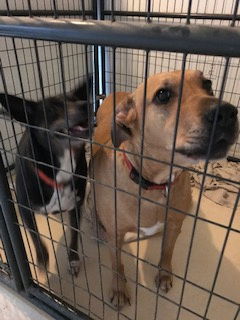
<point x="226" y="116"/>
<point x="224" y="122"/>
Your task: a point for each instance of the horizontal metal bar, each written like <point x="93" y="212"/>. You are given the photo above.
<point x="43" y="306"/>
<point x="198" y="16"/>
<point x="196" y="39"/>
<point x="49" y="13"/>
<point x="45" y="13"/>
<point x="57" y="304"/>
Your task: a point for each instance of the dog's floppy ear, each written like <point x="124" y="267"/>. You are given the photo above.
<point x="126" y="115"/>
<point x="15" y="107"/>
<point x="83" y="90"/>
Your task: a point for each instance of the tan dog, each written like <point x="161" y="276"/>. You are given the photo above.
<point x="198" y="108"/>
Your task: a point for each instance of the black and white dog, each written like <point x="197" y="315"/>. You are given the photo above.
<point x="48" y="186"/>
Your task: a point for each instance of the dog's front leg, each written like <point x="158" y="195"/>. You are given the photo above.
<point x="164" y="277"/>
<point x="74" y="259"/>
<point x="119" y="295"/>
<point x="41" y="249"/>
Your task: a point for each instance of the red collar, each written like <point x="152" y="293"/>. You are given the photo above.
<point x="49" y="181"/>
<point x="145" y="184"/>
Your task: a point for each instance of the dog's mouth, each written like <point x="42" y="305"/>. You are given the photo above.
<point x="218" y="150"/>
<point x="79" y="130"/>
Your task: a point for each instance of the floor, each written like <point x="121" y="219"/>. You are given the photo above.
<point x="14" y="306"/>
<point x="206" y="250"/>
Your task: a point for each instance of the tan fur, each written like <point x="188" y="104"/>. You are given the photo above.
<point x="102" y="132"/>
<point x="158" y="139"/>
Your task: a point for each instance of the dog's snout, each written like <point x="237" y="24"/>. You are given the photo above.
<point x="226" y="115"/>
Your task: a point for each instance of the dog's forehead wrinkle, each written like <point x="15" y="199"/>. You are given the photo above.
<point x="158" y="83"/>
<point x="168" y="83"/>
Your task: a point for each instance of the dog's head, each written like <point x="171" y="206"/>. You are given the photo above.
<point x="196" y="118"/>
<point x="62" y="122"/>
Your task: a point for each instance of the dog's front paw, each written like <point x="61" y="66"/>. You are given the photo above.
<point x="119" y="298"/>
<point x="119" y="295"/>
<point x="74" y="267"/>
<point x="163" y="281"/>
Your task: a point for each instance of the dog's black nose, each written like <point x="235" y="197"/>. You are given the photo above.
<point x="227" y="115"/>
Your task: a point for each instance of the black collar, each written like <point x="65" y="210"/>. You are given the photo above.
<point x="138" y="179"/>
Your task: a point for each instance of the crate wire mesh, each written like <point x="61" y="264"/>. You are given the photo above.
<point x="3" y="259"/>
<point x="33" y="68"/>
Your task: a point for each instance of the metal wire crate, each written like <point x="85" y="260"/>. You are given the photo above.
<point x="46" y="48"/>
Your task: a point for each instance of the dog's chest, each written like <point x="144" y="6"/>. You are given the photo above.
<point x="63" y="197"/>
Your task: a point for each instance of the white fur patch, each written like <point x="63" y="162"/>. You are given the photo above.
<point x="150" y="231"/>
<point x="65" y="164"/>
<point x="63" y="199"/>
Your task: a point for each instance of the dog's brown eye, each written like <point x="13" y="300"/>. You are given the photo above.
<point x="163" y="96"/>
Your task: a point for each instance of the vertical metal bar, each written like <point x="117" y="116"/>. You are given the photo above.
<point x="115" y="174"/>
<point x="31" y="144"/>
<point x="39" y="184"/>
<point x="103" y="70"/>
<point x="13" y="229"/>
<point x="140" y="178"/>
<point x="99" y="54"/>
<point x="180" y="91"/>
<point x="11" y="166"/>
<point x="112" y="11"/>
<point x="95" y="5"/>
<point x="101" y="9"/>
<point x="149" y="11"/>
<point x="8" y="9"/>
<point x="90" y="125"/>
<point x="92" y="173"/>
<point x="222" y="254"/>
<point x="11" y="259"/>
<point x="115" y="166"/>
<point x="96" y="73"/>
<point x="202" y="187"/>
<point x="34" y="163"/>
<point x="99" y="72"/>
<point x="83" y="10"/>
<point x="15" y="137"/>
<point x="189" y="11"/>
<point x="40" y="188"/>
<point x="235" y="82"/>
<point x="29" y="8"/>
<point x="94" y="8"/>
<point x="235" y="13"/>
<point x="55" y="9"/>
<point x="71" y="161"/>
